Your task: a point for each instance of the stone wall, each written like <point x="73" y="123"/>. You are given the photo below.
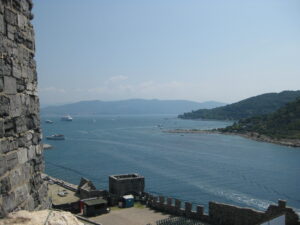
<point x="221" y="214"/>
<point x="21" y="153"/>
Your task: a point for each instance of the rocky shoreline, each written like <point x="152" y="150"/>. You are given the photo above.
<point x="249" y="135"/>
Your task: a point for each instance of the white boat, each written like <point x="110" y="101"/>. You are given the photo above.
<point x="49" y="121"/>
<point x="67" y="118"/>
<point x="56" y="137"/>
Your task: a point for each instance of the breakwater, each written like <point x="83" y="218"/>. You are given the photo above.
<point x="219" y="213"/>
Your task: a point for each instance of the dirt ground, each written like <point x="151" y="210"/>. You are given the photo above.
<point x="130" y="216"/>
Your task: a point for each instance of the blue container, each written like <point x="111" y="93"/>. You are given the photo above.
<point x="128" y="201"/>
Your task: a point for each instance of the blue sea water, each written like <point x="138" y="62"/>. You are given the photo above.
<point x="192" y="167"/>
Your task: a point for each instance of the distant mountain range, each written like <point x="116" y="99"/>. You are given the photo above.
<point x="254" y="106"/>
<point x="132" y="106"/>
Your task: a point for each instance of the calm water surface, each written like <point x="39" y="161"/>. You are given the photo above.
<point x="192" y="167"/>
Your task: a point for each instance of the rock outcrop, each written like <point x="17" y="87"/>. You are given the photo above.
<point x="42" y="217"/>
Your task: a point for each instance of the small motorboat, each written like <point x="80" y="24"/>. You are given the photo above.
<point x="56" y="137"/>
<point x="49" y="121"/>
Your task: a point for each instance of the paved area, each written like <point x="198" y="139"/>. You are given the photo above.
<point x="130" y="216"/>
<point x="61" y="195"/>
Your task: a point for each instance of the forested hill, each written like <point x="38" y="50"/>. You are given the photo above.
<point x="258" y="105"/>
<point x="284" y="123"/>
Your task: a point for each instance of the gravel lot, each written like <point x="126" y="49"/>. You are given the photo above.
<point x="130" y="216"/>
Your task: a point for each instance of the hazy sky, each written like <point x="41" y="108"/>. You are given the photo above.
<point x="167" y="49"/>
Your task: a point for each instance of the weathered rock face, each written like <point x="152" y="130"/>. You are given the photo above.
<point x="21" y="159"/>
<point x="40" y="218"/>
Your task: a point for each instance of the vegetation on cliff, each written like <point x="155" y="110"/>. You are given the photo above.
<point x="282" y="124"/>
<point x="254" y="106"/>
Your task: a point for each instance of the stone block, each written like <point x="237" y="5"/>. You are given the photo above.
<point x="33" y="122"/>
<point x="4" y="106"/>
<point x="22" y="21"/>
<point x="2" y="25"/>
<point x="9" y="128"/>
<point x="31" y="152"/>
<point x="1" y="84"/>
<point x="36" y="139"/>
<point x="281" y="203"/>
<point x="21" y="85"/>
<point x="22" y="155"/>
<point x="22" y="142"/>
<point x="5" y="68"/>
<point x="16" y="177"/>
<point x="161" y="199"/>
<point x="16" y="70"/>
<point x="11" y="31"/>
<point x="20" y="124"/>
<point x="5" y="186"/>
<point x="2" y="8"/>
<point x="169" y="201"/>
<point x="26" y="170"/>
<point x="10" y="85"/>
<point x="4" y="146"/>
<point x="16" y="106"/>
<point x="11" y="160"/>
<point x="10" y="17"/>
<point x="188" y="206"/>
<point x="1" y="128"/>
<point x="177" y="204"/>
<point x="8" y="145"/>
<point x="200" y="210"/>
<point x="3" y="167"/>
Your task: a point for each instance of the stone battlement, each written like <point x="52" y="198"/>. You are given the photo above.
<point x="219" y="213"/>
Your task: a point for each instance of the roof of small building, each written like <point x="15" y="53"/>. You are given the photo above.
<point x="94" y="201"/>
<point x="128" y="197"/>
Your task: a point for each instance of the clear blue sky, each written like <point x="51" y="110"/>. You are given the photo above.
<point x="166" y="49"/>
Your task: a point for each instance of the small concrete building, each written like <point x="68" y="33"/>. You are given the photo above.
<point x="94" y="206"/>
<point x="126" y="184"/>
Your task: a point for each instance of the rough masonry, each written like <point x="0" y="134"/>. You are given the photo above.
<point x="21" y="153"/>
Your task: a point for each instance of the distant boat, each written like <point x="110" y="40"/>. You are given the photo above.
<point x="49" y="121"/>
<point x="56" y="137"/>
<point x="67" y="118"/>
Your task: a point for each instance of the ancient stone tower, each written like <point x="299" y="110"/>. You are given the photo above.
<point x="21" y="153"/>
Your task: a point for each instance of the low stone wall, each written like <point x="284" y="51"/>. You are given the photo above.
<point x="220" y="214"/>
<point x="65" y="184"/>
<point x="174" y="207"/>
<point x="224" y="214"/>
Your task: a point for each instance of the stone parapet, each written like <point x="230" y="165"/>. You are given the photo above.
<point x="221" y="214"/>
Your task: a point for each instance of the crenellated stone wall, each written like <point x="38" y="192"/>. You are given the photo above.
<point x="21" y="153"/>
<point x="219" y="213"/>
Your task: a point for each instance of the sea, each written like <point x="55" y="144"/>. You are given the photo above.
<point x="192" y="167"/>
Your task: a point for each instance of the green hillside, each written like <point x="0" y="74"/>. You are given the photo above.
<point x="254" y="106"/>
<point x="284" y="123"/>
